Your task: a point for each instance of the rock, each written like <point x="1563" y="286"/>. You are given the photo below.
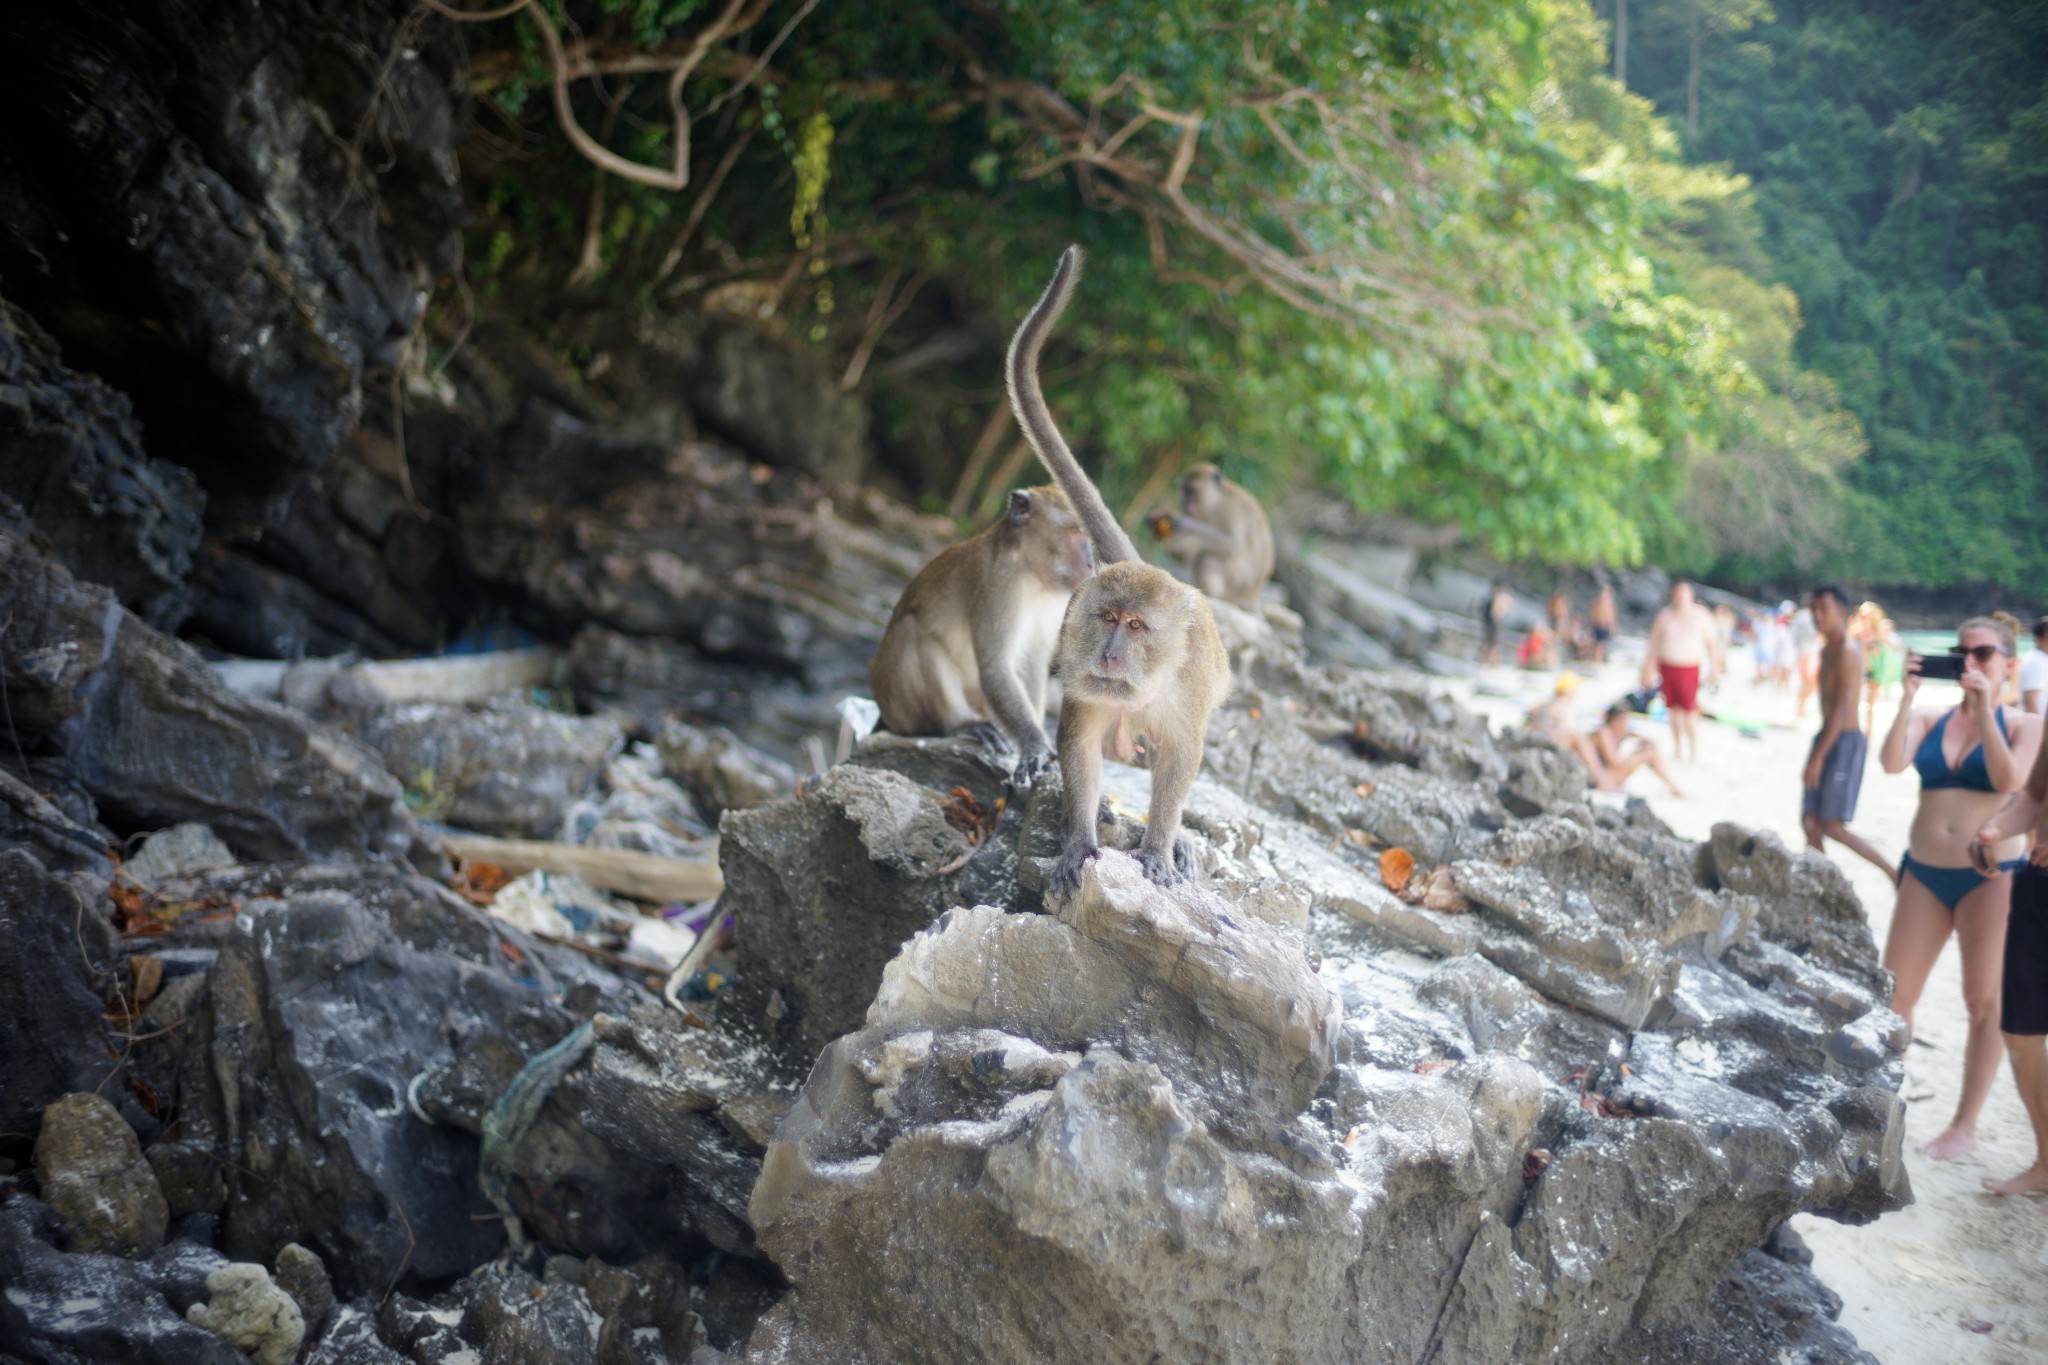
<point x="325" y="1004"/>
<point x="845" y="875"/>
<point x="1807" y="905"/>
<point x="351" y="1339"/>
<point x="720" y="770"/>
<point x="181" y="853"/>
<point x="153" y="735"/>
<point x="301" y="1274"/>
<point x="89" y="1168"/>
<point x="1155" y="1089"/>
<point x="189" y="1174"/>
<point x="255" y="1315"/>
<point x="53" y="1039"/>
<point x="74" y="474"/>
<point x="579" y="1313"/>
<point x="65" y="1308"/>
<point x="507" y="768"/>
<point x="235" y="275"/>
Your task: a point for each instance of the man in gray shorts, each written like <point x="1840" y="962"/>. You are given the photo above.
<point x="1834" y="766"/>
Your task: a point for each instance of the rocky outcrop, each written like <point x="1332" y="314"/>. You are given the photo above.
<point x="192" y="212"/>
<point x="150" y="732"/>
<point x="1209" y="1125"/>
<point x="75" y="474"/>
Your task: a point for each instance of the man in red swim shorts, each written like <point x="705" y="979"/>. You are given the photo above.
<point x="1681" y="644"/>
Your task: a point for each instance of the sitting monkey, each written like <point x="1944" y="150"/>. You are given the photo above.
<point x="1223" y="534"/>
<point x="972" y="636"/>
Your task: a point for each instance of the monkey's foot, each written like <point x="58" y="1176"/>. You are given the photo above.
<point x="1031" y="766"/>
<point x="1184" y="855"/>
<point x="1105" y="814"/>
<point x="1065" y="878"/>
<point x="1167" y="869"/>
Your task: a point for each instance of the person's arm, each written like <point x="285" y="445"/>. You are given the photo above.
<point x="2000" y="766"/>
<point x="1900" y="740"/>
<point x="1650" y="651"/>
<point x="2022" y="812"/>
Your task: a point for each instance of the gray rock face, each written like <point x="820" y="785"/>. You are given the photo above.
<point x="63" y="1307"/>
<point x="73" y="471"/>
<point x="53" y="1040"/>
<point x="1533" y="1125"/>
<point x="200" y="235"/>
<point x="301" y="1274"/>
<point x="323" y="1007"/>
<point x="507" y="769"/>
<point x="89" y="1168"/>
<point x="152" y="734"/>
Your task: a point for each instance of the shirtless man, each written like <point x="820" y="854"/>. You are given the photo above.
<point x="1681" y="644"/>
<point x="1834" y="766"/>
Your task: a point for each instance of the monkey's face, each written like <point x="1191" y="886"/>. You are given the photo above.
<point x="1126" y="630"/>
<point x="1201" y="490"/>
<point x="1055" y="541"/>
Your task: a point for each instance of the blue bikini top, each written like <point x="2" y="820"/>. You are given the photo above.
<point x="1971" y="774"/>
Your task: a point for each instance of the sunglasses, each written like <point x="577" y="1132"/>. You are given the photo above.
<point x="1980" y="654"/>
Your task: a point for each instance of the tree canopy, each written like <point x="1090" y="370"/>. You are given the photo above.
<point x="1429" y="256"/>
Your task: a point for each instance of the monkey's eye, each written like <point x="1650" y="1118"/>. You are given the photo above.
<point x="1137" y="623"/>
<point x="1108" y="618"/>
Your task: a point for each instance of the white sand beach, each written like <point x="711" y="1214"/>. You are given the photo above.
<point x="1921" y="1284"/>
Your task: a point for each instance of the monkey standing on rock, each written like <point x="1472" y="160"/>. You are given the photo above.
<point x="1223" y="534"/>
<point x="972" y="636"/>
<point x="1138" y="652"/>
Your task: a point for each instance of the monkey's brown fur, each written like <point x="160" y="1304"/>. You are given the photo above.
<point x="1138" y="652"/>
<point x="1223" y="535"/>
<point x="972" y="637"/>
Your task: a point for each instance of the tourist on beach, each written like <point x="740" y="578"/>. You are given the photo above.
<point x="2034" y="671"/>
<point x="1806" y="648"/>
<point x="1601" y="620"/>
<point x="1834" y="766"/>
<point x="1681" y="645"/>
<point x="1968" y="757"/>
<point x="1564" y="623"/>
<point x="2023" y="1005"/>
<point x="1724" y="640"/>
<point x="1621" y="752"/>
<point x="1493" y="614"/>
<point x="1767" y="636"/>
<point x="1886" y="664"/>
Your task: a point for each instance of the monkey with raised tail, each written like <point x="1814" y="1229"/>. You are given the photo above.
<point x="1138" y="653"/>
<point x="972" y="635"/>
<point x="1223" y="535"/>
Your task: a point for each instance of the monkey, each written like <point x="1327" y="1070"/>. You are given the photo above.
<point x="1138" y="653"/>
<point x="1223" y="534"/>
<point x="972" y="636"/>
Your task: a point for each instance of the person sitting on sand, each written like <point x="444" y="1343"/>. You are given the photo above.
<point x="1555" y="721"/>
<point x="2023" y="997"/>
<point x="1538" y="649"/>
<point x="1968" y="757"/>
<point x="1621" y="753"/>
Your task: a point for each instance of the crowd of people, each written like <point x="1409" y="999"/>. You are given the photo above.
<point x="1976" y="861"/>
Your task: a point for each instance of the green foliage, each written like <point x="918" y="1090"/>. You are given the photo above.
<point x="1900" y="157"/>
<point x="1424" y="253"/>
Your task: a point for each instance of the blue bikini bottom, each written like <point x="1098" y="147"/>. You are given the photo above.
<point x="1949" y="884"/>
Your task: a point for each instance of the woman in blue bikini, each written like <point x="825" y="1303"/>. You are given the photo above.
<point x="1968" y="757"/>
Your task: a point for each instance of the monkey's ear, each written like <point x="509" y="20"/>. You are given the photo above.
<point x="1020" y="507"/>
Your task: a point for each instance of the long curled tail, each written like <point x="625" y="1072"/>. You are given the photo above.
<point x="1110" y="542"/>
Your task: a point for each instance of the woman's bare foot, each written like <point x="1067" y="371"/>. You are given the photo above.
<point x="1951" y="1143"/>
<point x="2033" y="1180"/>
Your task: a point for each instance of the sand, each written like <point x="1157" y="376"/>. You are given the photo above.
<point x="1911" y="1281"/>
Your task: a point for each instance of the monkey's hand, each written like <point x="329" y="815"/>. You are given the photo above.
<point x="1031" y="766"/>
<point x="1065" y="878"/>
<point x="985" y="733"/>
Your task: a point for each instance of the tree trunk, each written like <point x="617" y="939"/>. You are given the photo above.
<point x="1692" y="89"/>
<point x="1621" y="42"/>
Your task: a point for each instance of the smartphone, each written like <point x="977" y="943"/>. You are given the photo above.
<point x="1942" y="667"/>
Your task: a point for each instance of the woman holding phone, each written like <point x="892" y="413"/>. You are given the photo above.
<point x="1969" y="757"/>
